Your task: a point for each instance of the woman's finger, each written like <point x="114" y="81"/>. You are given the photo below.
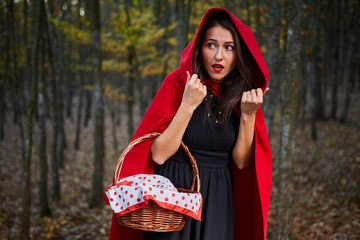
<point x="253" y="95"/>
<point x="187" y="76"/>
<point x="259" y="95"/>
<point x="193" y="78"/>
<point x="245" y="97"/>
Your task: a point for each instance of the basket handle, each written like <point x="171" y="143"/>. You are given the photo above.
<point x="196" y="179"/>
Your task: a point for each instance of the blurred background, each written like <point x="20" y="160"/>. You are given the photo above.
<point x="77" y="76"/>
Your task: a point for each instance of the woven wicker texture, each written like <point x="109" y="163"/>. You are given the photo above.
<point x="153" y="217"/>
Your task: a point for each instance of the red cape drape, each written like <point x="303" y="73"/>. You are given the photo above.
<point x="252" y="185"/>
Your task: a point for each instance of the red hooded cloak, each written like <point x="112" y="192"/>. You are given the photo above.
<point x="251" y="191"/>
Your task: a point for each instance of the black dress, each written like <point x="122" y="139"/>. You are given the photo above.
<point x="211" y="145"/>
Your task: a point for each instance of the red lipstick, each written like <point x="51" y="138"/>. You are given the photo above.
<point x="217" y="67"/>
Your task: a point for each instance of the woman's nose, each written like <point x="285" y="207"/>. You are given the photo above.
<point x="218" y="55"/>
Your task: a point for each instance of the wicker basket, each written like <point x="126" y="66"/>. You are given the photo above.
<point x="153" y="217"/>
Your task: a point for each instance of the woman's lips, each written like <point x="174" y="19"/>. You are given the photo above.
<point x="217" y="67"/>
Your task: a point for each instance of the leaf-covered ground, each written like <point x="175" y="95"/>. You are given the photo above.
<point x="327" y="183"/>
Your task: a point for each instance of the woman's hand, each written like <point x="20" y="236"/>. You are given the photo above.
<point x="243" y="150"/>
<point x="251" y="101"/>
<point x="164" y="146"/>
<point x="194" y="92"/>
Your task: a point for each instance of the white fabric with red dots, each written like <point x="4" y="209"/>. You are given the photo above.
<point x="133" y="193"/>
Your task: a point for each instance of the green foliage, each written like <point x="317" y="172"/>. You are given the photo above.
<point x="73" y="32"/>
<point x="141" y="33"/>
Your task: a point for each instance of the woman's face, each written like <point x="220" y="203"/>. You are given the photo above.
<point x="218" y="53"/>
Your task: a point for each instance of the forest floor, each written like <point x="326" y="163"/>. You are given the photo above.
<point x="327" y="183"/>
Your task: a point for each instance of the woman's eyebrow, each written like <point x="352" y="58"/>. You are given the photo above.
<point x="214" y="40"/>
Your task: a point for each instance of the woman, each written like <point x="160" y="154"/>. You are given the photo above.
<point x="211" y="103"/>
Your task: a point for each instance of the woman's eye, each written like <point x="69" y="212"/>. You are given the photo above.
<point x="211" y="45"/>
<point x="229" y="47"/>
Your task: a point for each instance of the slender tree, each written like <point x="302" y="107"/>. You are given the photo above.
<point x="273" y="60"/>
<point x="81" y="79"/>
<point x="337" y="59"/>
<point x="131" y="77"/>
<point x="5" y="79"/>
<point x="60" y="89"/>
<point x="43" y="193"/>
<point x="99" y="146"/>
<point x="55" y="188"/>
<point x="27" y="69"/>
<point x="89" y="77"/>
<point x="15" y="83"/>
<point x="289" y="97"/>
<point x="25" y="227"/>
<point x="112" y="109"/>
<point x="349" y="66"/>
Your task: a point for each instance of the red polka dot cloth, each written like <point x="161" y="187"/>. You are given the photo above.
<point x="133" y="193"/>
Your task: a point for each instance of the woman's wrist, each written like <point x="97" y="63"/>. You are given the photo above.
<point x="248" y="116"/>
<point x="186" y="109"/>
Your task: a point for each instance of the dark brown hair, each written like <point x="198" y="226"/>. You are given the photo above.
<point x="241" y="78"/>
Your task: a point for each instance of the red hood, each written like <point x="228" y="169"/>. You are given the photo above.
<point x="246" y="34"/>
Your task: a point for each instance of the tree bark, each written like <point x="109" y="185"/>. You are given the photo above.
<point x="81" y="84"/>
<point x="25" y="227"/>
<point x="273" y="60"/>
<point x="6" y="78"/>
<point x="15" y="83"/>
<point x="43" y="194"/>
<point x="55" y="189"/>
<point x="111" y="106"/>
<point x="27" y="70"/>
<point x="131" y="79"/>
<point x="2" y="107"/>
<point x="99" y="146"/>
<point x="60" y="91"/>
<point x="89" y="77"/>
<point x="337" y="59"/>
<point x="349" y="68"/>
<point x="289" y="97"/>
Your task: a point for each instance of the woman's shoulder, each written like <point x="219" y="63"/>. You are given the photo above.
<point x="173" y="76"/>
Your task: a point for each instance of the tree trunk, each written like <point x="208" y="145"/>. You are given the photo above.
<point x="317" y="108"/>
<point x="2" y="107"/>
<point x="43" y="199"/>
<point x="81" y="79"/>
<point x="131" y="79"/>
<point x="27" y="70"/>
<point x="60" y="101"/>
<point x="303" y="89"/>
<point x="59" y="58"/>
<point x="318" y="65"/>
<point x="111" y="106"/>
<point x="289" y="97"/>
<point x="15" y="83"/>
<point x="87" y="92"/>
<point x="6" y="78"/>
<point x="55" y="189"/>
<point x="25" y="228"/>
<point x="99" y="146"/>
<point x="335" y="82"/>
<point x="88" y="105"/>
<point x="78" y="117"/>
<point x="349" y="58"/>
<point x="273" y="60"/>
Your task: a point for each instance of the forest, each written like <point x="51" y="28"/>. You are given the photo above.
<point x="77" y="77"/>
